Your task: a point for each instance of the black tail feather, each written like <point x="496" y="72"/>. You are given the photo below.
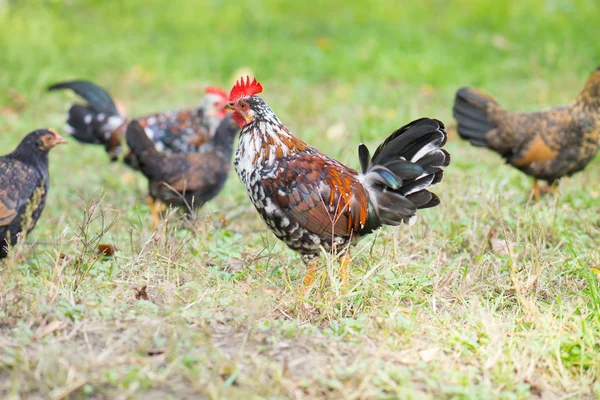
<point x="419" y="135"/>
<point x="403" y="168"/>
<point x="96" y="121"/>
<point x="470" y="111"/>
<point x="97" y="98"/>
<point x="81" y="130"/>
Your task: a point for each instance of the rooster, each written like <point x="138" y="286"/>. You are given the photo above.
<point x="547" y="144"/>
<point x="189" y="179"/>
<point x="182" y="131"/>
<point x="311" y="201"/>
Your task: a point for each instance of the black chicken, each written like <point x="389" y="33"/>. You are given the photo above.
<point x="24" y="182"/>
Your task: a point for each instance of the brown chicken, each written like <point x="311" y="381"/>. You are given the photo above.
<point x="188" y="180"/>
<point x="547" y="144"/>
<point x="311" y="201"/>
<point x="24" y="183"/>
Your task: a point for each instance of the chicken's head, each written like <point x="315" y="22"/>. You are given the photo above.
<point x="45" y="139"/>
<point x="214" y="102"/>
<point x="241" y="100"/>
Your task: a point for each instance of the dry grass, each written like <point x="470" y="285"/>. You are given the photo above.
<point x="470" y="302"/>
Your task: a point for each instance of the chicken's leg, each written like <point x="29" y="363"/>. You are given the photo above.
<point x="344" y="263"/>
<point x="539" y="191"/>
<point x="154" y="211"/>
<point x="536" y="190"/>
<point x="311" y="271"/>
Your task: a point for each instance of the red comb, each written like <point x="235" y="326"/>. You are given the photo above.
<point x="216" y="90"/>
<point x="242" y="89"/>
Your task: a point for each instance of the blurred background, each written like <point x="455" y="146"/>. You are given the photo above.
<point x="333" y="71"/>
<point x="408" y="57"/>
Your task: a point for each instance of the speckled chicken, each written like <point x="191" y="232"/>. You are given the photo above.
<point x="188" y="180"/>
<point x="172" y="132"/>
<point x="547" y="144"/>
<point x="24" y="183"/>
<point x="311" y="201"/>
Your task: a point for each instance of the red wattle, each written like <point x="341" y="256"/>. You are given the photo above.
<point x="237" y="117"/>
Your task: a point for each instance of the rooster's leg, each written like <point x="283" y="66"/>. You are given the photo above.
<point x="311" y="270"/>
<point x="536" y="190"/>
<point x="344" y="263"/>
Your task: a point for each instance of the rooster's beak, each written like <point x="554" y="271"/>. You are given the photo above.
<point x="228" y="107"/>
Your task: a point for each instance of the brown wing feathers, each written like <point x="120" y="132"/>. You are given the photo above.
<point x="321" y="199"/>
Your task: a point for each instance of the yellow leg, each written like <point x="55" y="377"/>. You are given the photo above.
<point x="311" y="271"/>
<point x="344" y="263"/>
<point x="155" y="207"/>
<point x="536" y="190"/>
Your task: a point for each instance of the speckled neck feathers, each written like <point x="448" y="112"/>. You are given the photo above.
<point x="264" y="140"/>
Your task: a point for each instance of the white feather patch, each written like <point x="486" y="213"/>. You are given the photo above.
<point x="425" y="150"/>
<point x="412" y="220"/>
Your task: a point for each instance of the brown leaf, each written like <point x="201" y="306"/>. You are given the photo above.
<point x="141" y="294"/>
<point x="53" y="326"/>
<point x="107" y="249"/>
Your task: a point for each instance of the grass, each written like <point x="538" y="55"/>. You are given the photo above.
<point x="487" y="296"/>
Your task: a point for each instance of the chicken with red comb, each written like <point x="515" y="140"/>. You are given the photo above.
<point x="172" y="132"/>
<point x="311" y="201"/>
